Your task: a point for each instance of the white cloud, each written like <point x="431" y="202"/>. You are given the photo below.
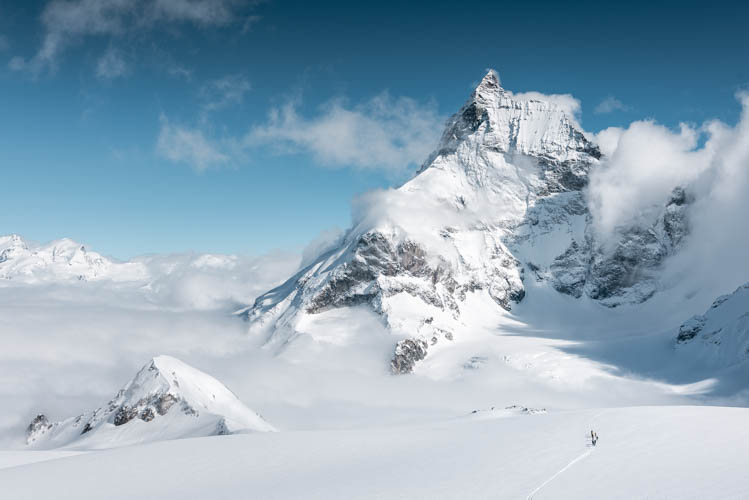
<point x="384" y="133"/>
<point x="645" y="161"/>
<point x="609" y="105"/>
<point x="112" y="65"/>
<point x="224" y="92"/>
<point x="68" y="21"/>
<point x="214" y="281"/>
<point x="190" y="146"/>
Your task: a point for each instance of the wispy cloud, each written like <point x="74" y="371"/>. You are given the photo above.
<point x="190" y="146"/>
<point x="225" y="91"/>
<point x="609" y="105"/>
<point x="4" y="44"/>
<point x="112" y="65"/>
<point x="68" y="21"/>
<point x="383" y="133"/>
<point x="249" y="23"/>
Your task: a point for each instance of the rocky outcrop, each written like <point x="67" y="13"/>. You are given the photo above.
<point x="37" y="428"/>
<point x="407" y="353"/>
<point x="623" y="267"/>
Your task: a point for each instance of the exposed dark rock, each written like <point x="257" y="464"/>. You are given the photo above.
<point x="124" y="415"/>
<point x="222" y="429"/>
<point x="407" y="353"/>
<point x="38" y="426"/>
<point x="690" y="329"/>
<point x="147" y="415"/>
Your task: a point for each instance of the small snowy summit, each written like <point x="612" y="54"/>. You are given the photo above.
<point x="167" y="399"/>
<point x="500" y="201"/>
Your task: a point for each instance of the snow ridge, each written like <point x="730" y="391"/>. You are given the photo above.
<point x="720" y="336"/>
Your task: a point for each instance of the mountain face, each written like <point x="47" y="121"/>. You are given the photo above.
<point x="500" y="201"/>
<point x="167" y="399"/>
<point x="720" y="336"/>
<point x="62" y="259"/>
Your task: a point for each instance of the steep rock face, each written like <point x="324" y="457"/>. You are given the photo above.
<point x="720" y="336"/>
<point x="167" y="399"/>
<point x="503" y="192"/>
<point x="623" y="267"/>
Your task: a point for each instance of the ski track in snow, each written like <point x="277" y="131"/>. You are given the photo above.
<point x="570" y="464"/>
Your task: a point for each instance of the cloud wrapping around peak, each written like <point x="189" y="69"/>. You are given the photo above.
<point x="569" y="104"/>
<point x="384" y="133"/>
<point x="646" y="161"/>
<point x="67" y="21"/>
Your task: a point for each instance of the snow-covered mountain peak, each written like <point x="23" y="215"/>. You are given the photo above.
<point x="60" y="260"/>
<point x="494" y="119"/>
<point x="489" y="88"/>
<point x="167" y="399"/>
<point x="11" y="246"/>
<point x="501" y="200"/>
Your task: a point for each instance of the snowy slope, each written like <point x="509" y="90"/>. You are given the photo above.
<point x="167" y="399"/>
<point x="501" y="201"/>
<point x="720" y="336"/>
<point x="644" y="452"/>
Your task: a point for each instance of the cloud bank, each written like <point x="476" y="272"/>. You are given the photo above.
<point x="645" y="161"/>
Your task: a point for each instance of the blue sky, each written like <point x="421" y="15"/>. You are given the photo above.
<point x="146" y="126"/>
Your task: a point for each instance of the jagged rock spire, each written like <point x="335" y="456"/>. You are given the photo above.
<point x="489" y="86"/>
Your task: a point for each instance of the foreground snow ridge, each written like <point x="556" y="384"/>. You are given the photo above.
<point x="167" y="399"/>
<point x="644" y="452"/>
